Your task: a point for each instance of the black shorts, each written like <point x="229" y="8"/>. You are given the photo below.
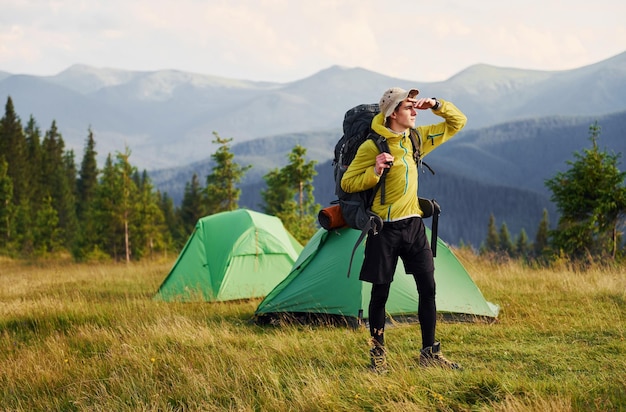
<point x="405" y="239"/>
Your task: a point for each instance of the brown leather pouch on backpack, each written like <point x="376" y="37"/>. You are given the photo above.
<point x="331" y="218"/>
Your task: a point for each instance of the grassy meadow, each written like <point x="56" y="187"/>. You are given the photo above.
<point x="78" y="337"/>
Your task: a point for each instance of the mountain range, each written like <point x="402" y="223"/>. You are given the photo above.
<point x="167" y="117"/>
<point x="523" y="125"/>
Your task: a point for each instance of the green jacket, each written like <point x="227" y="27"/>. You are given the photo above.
<point x="401" y="181"/>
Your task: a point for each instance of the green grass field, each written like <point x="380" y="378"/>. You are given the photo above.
<point x="90" y="338"/>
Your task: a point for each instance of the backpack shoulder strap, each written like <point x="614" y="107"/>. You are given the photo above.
<point x="416" y="139"/>
<point x="383" y="146"/>
<point x="380" y="141"/>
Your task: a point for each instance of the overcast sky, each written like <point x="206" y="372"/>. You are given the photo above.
<point x="286" y="40"/>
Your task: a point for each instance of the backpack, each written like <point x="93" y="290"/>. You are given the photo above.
<point x="354" y="209"/>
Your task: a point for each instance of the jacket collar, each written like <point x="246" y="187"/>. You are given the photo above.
<point x="378" y="126"/>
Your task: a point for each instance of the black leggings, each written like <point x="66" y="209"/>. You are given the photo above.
<point x="426" y="311"/>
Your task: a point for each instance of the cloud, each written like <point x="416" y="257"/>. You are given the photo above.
<point x="282" y="40"/>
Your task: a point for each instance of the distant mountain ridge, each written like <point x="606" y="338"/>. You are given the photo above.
<point x="167" y="117"/>
<point x="86" y="79"/>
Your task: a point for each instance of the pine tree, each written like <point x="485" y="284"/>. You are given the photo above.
<point x="591" y="199"/>
<point x="86" y="187"/>
<point x="107" y="212"/>
<point x="128" y="200"/>
<point x="192" y="206"/>
<point x="540" y="247"/>
<point x="67" y="213"/>
<point x="47" y="234"/>
<point x="300" y="175"/>
<point x="289" y="195"/>
<point x="34" y="154"/>
<point x="522" y="248"/>
<point x="221" y="192"/>
<point x="6" y="205"/>
<point x="87" y="178"/>
<point x="13" y="150"/>
<point x="506" y="245"/>
<point x="174" y="238"/>
<point x="277" y="194"/>
<point x="58" y="173"/>
<point x="148" y="222"/>
<point x="117" y="210"/>
<point x="492" y="243"/>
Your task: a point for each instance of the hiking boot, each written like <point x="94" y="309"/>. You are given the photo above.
<point x="378" y="359"/>
<point x="431" y="356"/>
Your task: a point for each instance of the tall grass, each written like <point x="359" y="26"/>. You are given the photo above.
<point x="90" y="338"/>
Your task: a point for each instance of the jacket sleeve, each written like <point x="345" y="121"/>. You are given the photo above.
<point x="360" y="174"/>
<point x="435" y="134"/>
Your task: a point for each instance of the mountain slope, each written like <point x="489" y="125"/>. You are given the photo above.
<point x="167" y="117"/>
<point x="524" y="153"/>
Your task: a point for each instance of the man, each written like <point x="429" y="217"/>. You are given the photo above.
<point x="403" y="234"/>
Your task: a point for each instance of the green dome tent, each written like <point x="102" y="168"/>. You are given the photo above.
<point x="318" y="286"/>
<point x="231" y="255"/>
